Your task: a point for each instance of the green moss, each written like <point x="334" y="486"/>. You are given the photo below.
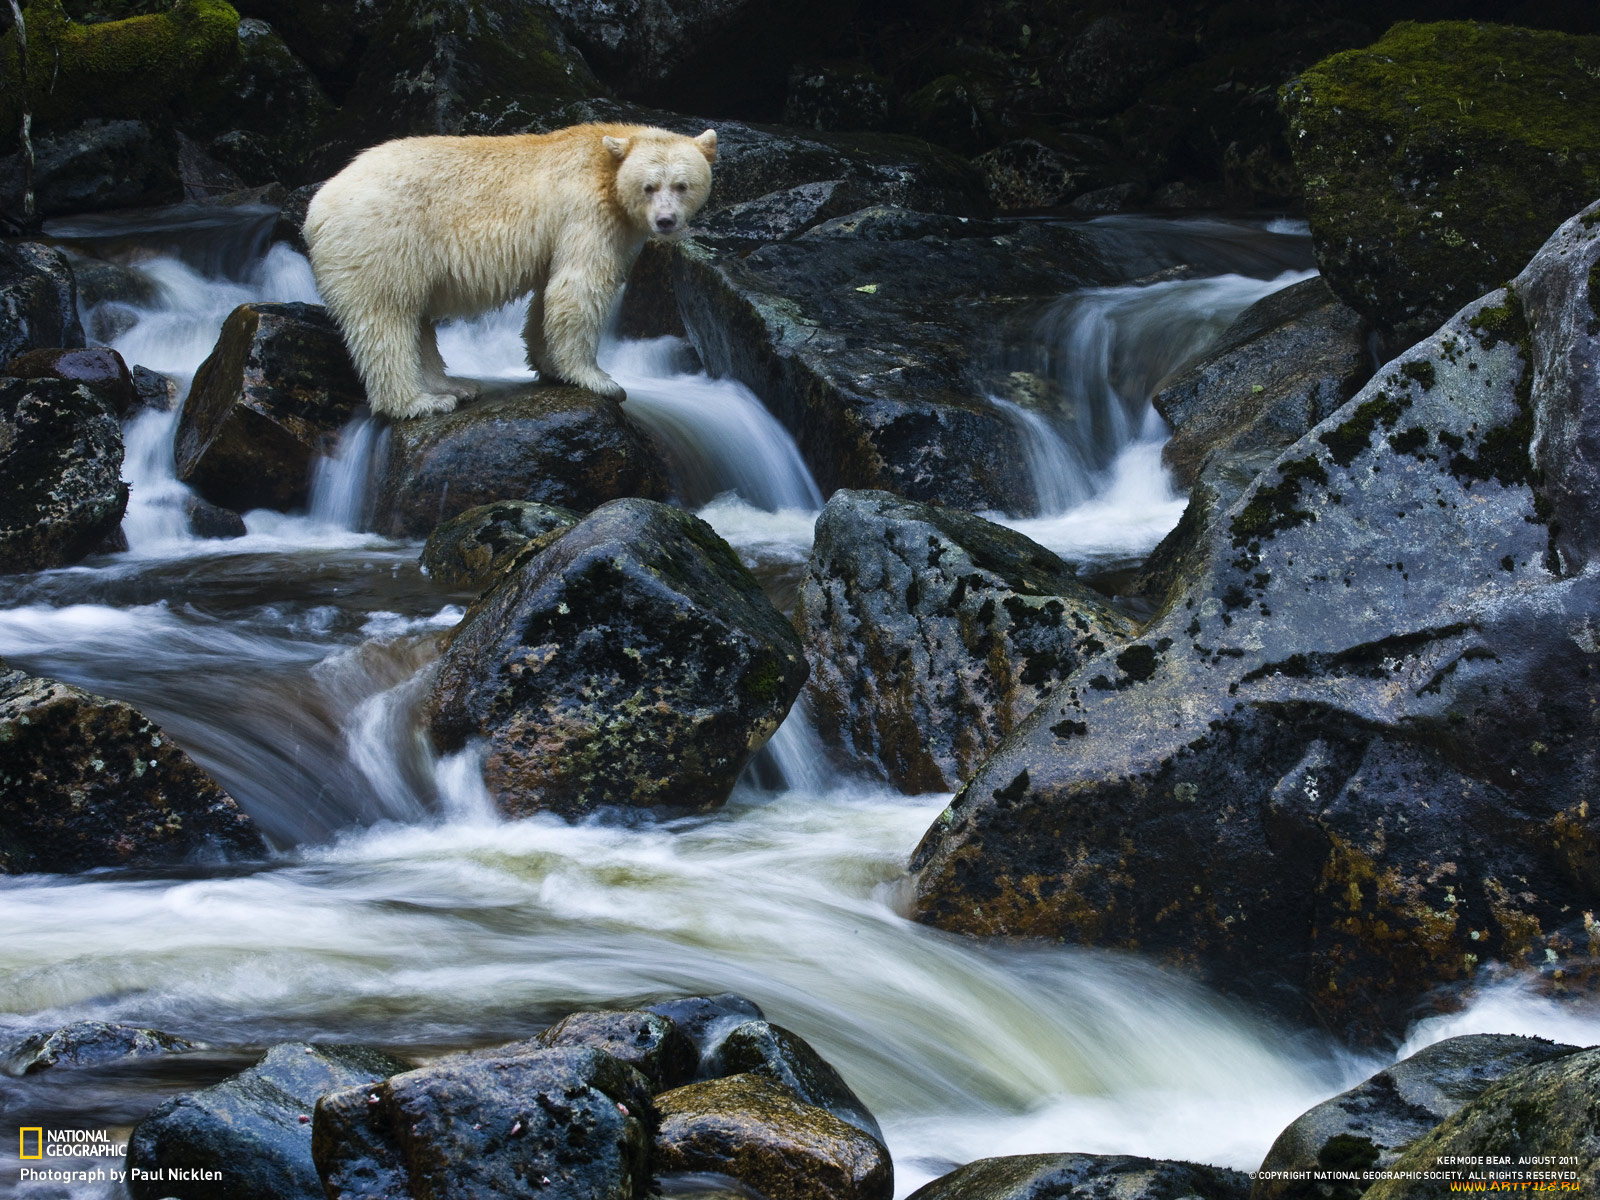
<point x="1503" y="452"/>
<point x="1355" y="435"/>
<point x="762" y="684"/>
<point x="1594" y="293"/>
<point x="1275" y="508"/>
<point x="1138" y="662"/>
<point x="1420" y="370"/>
<point x="1346" y="1152"/>
<point x="135" y="67"/>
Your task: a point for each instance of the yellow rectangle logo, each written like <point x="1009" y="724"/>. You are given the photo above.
<point x="38" y="1142"/>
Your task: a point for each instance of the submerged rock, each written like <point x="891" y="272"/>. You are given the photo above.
<point x="860" y="336"/>
<point x="761" y="1134"/>
<point x="1539" y="1113"/>
<point x="61" y="489"/>
<point x="1085" y="1177"/>
<point x="570" y="1122"/>
<point x="934" y="632"/>
<point x="86" y="1042"/>
<point x="706" y="1020"/>
<point x="1370" y="1126"/>
<point x="472" y="549"/>
<point x="1439" y="159"/>
<point x="774" y="1053"/>
<point x="646" y="1041"/>
<point x="1353" y="759"/>
<point x="89" y="782"/>
<point x="250" y="1127"/>
<point x="38" y="300"/>
<point x="270" y="399"/>
<point x="634" y="662"/>
<point x="559" y="446"/>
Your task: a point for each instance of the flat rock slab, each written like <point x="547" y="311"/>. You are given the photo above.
<point x="254" y="1127"/>
<point x="271" y="398"/>
<point x="866" y="337"/>
<point x="933" y="633"/>
<point x="87" y="782"/>
<point x="761" y="1134"/>
<point x="1085" y="1177"/>
<point x="560" y="446"/>
<point x="1354" y="759"/>
<point x="634" y="662"/>
<point x="568" y="1122"/>
<point x="1370" y="1126"/>
<point x="61" y="489"/>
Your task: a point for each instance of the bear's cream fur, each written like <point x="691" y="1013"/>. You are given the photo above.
<point x="424" y="228"/>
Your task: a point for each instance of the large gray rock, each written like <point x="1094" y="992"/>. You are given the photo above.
<point x="89" y="782"/>
<point x="761" y="1134"/>
<point x="865" y="338"/>
<point x="271" y="398"/>
<point x="1543" y="1118"/>
<point x="1370" y="1126"/>
<point x="559" y="446"/>
<point x="932" y="633"/>
<point x="646" y="1041"/>
<point x="84" y="1043"/>
<point x="61" y="489"/>
<point x="38" y="300"/>
<point x="253" y="1128"/>
<point x="1353" y="759"/>
<point x="1085" y="1177"/>
<point x="634" y="662"/>
<point x="570" y="1122"/>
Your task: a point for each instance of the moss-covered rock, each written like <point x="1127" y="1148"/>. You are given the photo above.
<point x="135" y="67"/>
<point x="761" y="1134"/>
<point x="1439" y="159"/>
<point x="1548" y="1115"/>
<point x="472" y="549"/>
<point x="86" y="781"/>
<point x="773" y="1052"/>
<point x="634" y="662"/>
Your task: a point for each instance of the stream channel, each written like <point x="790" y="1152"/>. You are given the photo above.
<point x="399" y="910"/>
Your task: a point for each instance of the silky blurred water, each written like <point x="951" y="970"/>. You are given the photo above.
<point x="398" y="908"/>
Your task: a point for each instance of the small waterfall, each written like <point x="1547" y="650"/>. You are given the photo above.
<point x="342" y="493"/>
<point x="795" y="758"/>
<point x="157" y="519"/>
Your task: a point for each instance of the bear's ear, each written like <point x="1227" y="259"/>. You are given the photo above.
<point x="617" y="146"/>
<point x="707" y="142"/>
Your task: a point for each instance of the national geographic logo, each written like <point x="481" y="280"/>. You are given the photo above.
<point x="38" y="1144"/>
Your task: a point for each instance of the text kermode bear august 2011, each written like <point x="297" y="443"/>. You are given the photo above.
<point x="426" y="228"/>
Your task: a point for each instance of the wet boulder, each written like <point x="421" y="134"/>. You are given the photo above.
<point x="568" y="1122"/>
<point x="38" y="300"/>
<point x="777" y="216"/>
<point x="90" y="782"/>
<point x="1370" y="1126"/>
<point x="208" y="520"/>
<point x="472" y="549"/>
<point x="1284" y="364"/>
<point x="1085" y="1177"/>
<point x="761" y="1134"/>
<point x="773" y="1052"/>
<point x="87" y="1042"/>
<point x="932" y="633"/>
<point x="98" y="368"/>
<point x="1437" y="160"/>
<point x="61" y="489"/>
<point x="1546" y="1114"/>
<point x="253" y="1127"/>
<point x="868" y="337"/>
<point x="155" y="391"/>
<point x="706" y="1020"/>
<point x="634" y="662"/>
<point x="271" y="398"/>
<point x="646" y="1041"/>
<point x="97" y="165"/>
<point x="559" y="446"/>
<point x="1352" y="760"/>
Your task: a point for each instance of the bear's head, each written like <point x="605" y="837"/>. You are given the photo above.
<point x="663" y="178"/>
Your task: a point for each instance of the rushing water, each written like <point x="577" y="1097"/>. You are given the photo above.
<point x="399" y="909"/>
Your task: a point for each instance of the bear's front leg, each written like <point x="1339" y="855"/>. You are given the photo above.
<point x="576" y="305"/>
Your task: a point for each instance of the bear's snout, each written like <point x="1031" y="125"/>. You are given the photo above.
<point x="666" y="223"/>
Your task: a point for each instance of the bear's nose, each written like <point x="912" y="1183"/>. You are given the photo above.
<point x="666" y="224"/>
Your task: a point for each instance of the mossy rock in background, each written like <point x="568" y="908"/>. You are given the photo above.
<point x="1439" y="159"/>
<point x="130" y="68"/>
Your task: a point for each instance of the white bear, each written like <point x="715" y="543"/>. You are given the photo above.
<point x="424" y="228"/>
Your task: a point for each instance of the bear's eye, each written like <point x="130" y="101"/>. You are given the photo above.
<point x="649" y="189"/>
<point x="680" y="187"/>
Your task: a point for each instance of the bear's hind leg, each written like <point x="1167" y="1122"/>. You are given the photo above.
<point x="575" y="311"/>
<point x="388" y="353"/>
<point x="433" y="367"/>
<point x="533" y="333"/>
